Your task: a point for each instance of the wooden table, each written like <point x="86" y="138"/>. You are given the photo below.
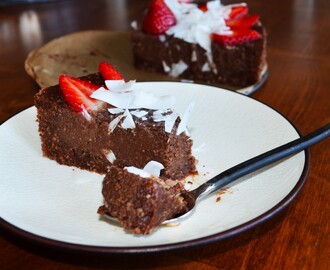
<point x="298" y="87"/>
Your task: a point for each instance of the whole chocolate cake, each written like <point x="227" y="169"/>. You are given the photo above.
<point x="99" y="121"/>
<point x="205" y="42"/>
<point x="140" y="201"/>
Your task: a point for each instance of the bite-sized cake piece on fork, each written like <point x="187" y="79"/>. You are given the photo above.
<point x="139" y="200"/>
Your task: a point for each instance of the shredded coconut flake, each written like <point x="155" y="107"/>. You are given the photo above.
<point x="111" y="156"/>
<point x="193" y="56"/>
<point x="206" y="67"/>
<point x="120" y="86"/>
<point x="149" y="101"/>
<point x="153" y="168"/>
<point x="160" y="117"/>
<point x="86" y="114"/>
<point x="169" y="123"/>
<point x="128" y="122"/>
<point x="116" y="110"/>
<point x="168" y="116"/>
<point x="115" y="122"/>
<point x="162" y="38"/>
<point x="178" y="68"/>
<point x="138" y="171"/>
<point x="183" y="124"/>
<point x="166" y="68"/>
<point x="139" y="113"/>
<point x="119" y="100"/>
<point x="121" y="95"/>
<point x="161" y="113"/>
<point x="134" y="25"/>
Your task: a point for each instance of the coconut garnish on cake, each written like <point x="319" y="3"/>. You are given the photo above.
<point x="99" y="121"/>
<point x="130" y="101"/>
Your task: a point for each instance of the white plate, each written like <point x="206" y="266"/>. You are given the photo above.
<point x="57" y="204"/>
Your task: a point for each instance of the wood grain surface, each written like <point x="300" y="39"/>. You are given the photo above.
<point x="298" y="87"/>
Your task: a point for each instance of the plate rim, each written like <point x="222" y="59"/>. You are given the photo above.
<point x="44" y="241"/>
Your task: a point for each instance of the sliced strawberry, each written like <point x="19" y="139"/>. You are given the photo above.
<point x="238" y="12"/>
<point x="245" y="22"/>
<point x="77" y="93"/>
<point x="108" y="72"/>
<point x="158" y="18"/>
<point x="238" y="36"/>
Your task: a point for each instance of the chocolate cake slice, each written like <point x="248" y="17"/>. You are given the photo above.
<point x="140" y="203"/>
<point x="91" y="134"/>
<point x="207" y="42"/>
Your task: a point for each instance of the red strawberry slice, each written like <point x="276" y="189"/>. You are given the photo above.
<point x="238" y="36"/>
<point x="77" y="93"/>
<point x="238" y="12"/>
<point x="108" y="72"/>
<point x="158" y="18"/>
<point x="245" y="22"/>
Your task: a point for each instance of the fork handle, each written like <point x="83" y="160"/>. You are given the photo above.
<point x="260" y="161"/>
